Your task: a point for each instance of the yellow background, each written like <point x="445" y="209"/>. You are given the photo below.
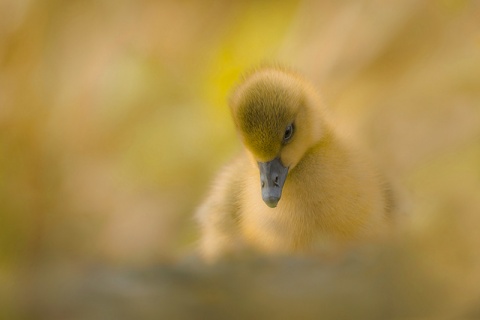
<point x="114" y="117"/>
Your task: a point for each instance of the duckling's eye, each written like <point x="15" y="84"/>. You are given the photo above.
<point x="288" y="133"/>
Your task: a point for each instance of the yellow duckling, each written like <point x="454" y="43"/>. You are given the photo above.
<point x="297" y="185"/>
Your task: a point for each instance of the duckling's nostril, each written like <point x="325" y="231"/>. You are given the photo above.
<point x="263" y="184"/>
<point x="275" y="181"/>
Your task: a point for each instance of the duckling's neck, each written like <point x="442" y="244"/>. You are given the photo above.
<point x="321" y="147"/>
<point x="327" y="161"/>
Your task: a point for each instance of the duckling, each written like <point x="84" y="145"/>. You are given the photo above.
<point x="297" y="183"/>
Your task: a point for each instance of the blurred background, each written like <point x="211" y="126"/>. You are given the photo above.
<point x="114" y="121"/>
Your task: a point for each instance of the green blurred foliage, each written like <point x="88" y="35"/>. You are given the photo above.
<point x="114" y="117"/>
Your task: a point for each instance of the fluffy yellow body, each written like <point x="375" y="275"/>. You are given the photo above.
<point x="331" y="193"/>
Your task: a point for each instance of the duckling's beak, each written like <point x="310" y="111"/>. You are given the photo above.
<point x="272" y="176"/>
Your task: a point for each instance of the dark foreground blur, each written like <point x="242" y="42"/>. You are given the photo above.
<point x="113" y="121"/>
<point x="379" y="283"/>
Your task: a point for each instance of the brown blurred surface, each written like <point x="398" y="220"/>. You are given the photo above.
<point x="113" y="122"/>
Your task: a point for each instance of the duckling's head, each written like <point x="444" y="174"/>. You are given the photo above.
<point x="277" y="117"/>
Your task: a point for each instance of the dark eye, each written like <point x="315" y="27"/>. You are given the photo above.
<point x="288" y="133"/>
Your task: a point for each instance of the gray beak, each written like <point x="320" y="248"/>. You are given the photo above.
<point x="272" y="176"/>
